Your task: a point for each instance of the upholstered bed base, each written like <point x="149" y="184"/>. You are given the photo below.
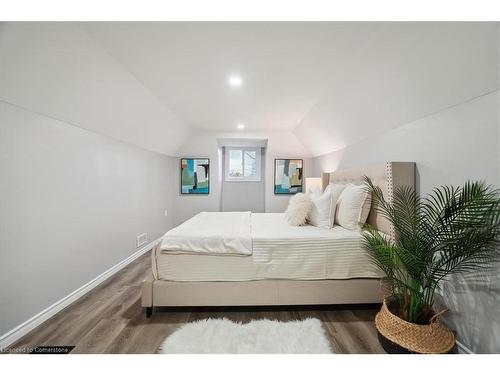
<point x="259" y="292"/>
<point x="388" y="176"/>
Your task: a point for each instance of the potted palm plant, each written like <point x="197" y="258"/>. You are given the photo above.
<point x="452" y="230"/>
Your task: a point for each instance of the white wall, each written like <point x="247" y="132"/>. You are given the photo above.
<point x="244" y="195"/>
<point x="449" y="147"/>
<point x="71" y="205"/>
<point x="57" y="70"/>
<point x="204" y="144"/>
<point x="78" y="178"/>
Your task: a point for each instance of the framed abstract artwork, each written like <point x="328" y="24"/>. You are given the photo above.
<point x="288" y="176"/>
<point x="195" y="176"/>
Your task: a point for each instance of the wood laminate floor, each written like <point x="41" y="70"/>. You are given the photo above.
<point x="110" y="319"/>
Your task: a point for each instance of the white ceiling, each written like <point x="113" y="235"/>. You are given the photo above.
<point x="333" y="84"/>
<point x="405" y="72"/>
<point x="56" y="69"/>
<point x="286" y="67"/>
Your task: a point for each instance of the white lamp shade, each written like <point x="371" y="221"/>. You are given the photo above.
<point x="313" y="183"/>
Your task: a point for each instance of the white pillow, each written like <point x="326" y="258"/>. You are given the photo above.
<point x="353" y="206"/>
<point x="336" y="191"/>
<point x="298" y="207"/>
<point x="319" y="214"/>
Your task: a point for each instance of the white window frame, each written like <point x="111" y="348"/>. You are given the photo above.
<point x="243" y="178"/>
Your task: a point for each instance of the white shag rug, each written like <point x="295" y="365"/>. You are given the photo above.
<point x="223" y="336"/>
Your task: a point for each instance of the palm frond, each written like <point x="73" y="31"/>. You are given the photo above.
<point x="453" y="229"/>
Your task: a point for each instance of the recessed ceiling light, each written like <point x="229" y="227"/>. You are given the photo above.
<point x="240" y="126"/>
<point x="235" y="81"/>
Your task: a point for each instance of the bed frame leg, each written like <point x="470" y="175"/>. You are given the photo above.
<point x="149" y="312"/>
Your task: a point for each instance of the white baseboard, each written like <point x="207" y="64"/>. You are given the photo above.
<point x="15" y="334"/>
<point x="462" y="349"/>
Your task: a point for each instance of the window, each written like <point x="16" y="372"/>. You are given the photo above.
<point x="242" y="163"/>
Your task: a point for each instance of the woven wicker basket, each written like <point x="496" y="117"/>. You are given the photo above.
<point x="432" y="338"/>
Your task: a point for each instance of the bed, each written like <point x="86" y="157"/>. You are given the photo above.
<point x="261" y="260"/>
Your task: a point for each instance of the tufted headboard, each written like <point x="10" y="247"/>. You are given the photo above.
<point x="387" y="176"/>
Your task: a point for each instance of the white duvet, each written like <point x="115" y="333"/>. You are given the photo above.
<point x="211" y="233"/>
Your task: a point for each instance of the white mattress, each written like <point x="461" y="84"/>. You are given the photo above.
<point x="280" y="251"/>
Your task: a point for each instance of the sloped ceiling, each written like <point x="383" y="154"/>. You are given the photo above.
<point x="404" y="72"/>
<point x="55" y="69"/>
<point x="333" y="84"/>
<point x="286" y="67"/>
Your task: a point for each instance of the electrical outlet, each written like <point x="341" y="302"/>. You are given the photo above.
<point x="166" y="213"/>
<point x="142" y="239"/>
